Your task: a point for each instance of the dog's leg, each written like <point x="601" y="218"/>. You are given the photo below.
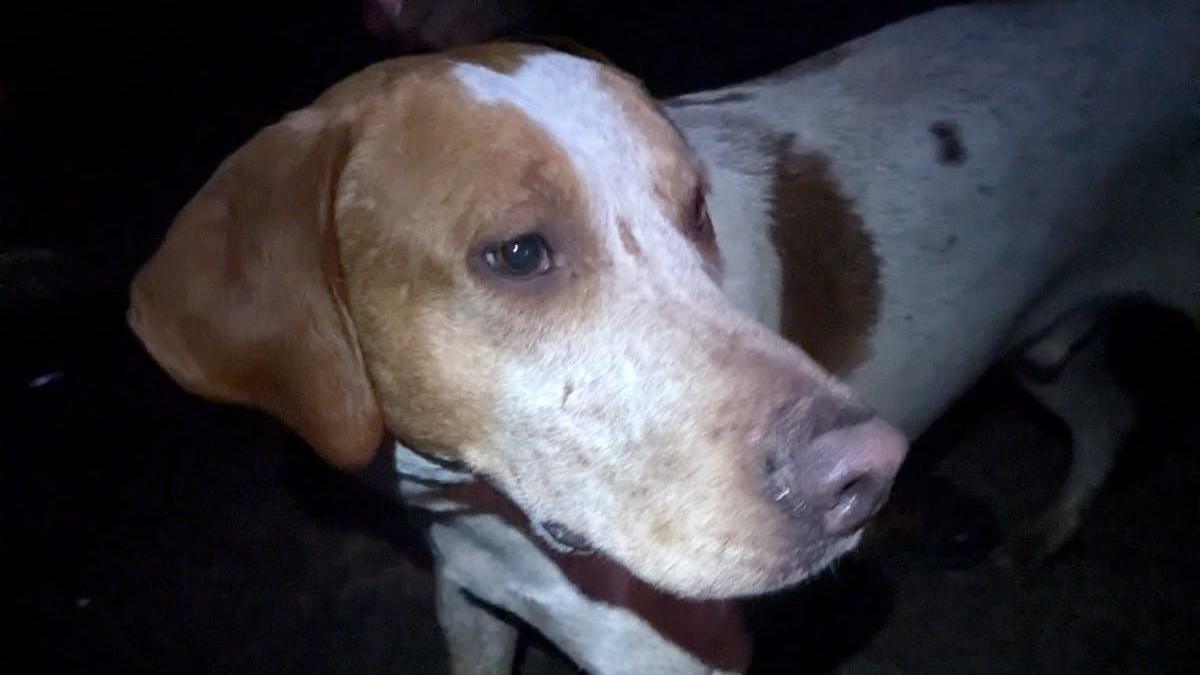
<point x="480" y="642"/>
<point x="1098" y="412"/>
<point x="1042" y="360"/>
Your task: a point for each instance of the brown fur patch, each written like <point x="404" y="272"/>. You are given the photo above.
<point x="628" y="240"/>
<point x="830" y="270"/>
<point x="434" y="334"/>
<point x="258" y="294"/>
<point x="236" y="304"/>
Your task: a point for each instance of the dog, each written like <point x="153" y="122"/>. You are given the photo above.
<point x="641" y="359"/>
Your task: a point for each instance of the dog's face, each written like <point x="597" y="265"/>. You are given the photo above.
<point x="502" y="258"/>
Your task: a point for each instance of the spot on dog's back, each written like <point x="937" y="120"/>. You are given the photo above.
<point x="830" y="298"/>
<point x="627" y="239"/>
<point x="950" y="146"/>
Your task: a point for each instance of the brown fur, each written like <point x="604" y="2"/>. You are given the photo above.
<point x="628" y="241"/>
<point x="237" y="303"/>
<point x="486" y="174"/>
<point x="334" y="274"/>
<point x="830" y="270"/>
<point x="246" y="301"/>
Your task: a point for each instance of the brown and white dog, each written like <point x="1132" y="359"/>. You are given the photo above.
<point x="502" y="257"/>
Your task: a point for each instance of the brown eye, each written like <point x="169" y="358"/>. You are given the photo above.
<point x="523" y="257"/>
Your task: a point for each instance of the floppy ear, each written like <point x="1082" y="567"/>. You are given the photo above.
<point x="241" y="303"/>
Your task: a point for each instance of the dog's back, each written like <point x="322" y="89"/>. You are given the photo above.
<point x="1013" y="168"/>
<point x="1010" y="162"/>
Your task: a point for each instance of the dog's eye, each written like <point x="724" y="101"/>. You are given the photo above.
<point x="523" y="257"/>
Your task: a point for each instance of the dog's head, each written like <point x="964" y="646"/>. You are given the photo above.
<point x="501" y="256"/>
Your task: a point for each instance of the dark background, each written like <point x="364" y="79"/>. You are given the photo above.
<point x="146" y="531"/>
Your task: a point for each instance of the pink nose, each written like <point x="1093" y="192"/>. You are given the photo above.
<point x="842" y="475"/>
<point x="851" y="473"/>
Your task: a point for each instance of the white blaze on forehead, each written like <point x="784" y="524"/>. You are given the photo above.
<point x="594" y="416"/>
<point x="565" y="96"/>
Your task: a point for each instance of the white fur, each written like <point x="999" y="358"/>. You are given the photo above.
<point x="421" y="479"/>
<point x="1079" y="122"/>
<point x="500" y="566"/>
<point x="605" y="152"/>
<point x="576" y="458"/>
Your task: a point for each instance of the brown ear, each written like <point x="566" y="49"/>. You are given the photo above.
<point x="241" y="302"/>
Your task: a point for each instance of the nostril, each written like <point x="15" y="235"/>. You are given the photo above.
<point x="857" y="501"/>
<point x="855" y="488"/>
<point x="771" y="464"/>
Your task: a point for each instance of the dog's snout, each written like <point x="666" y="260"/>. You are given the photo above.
<point x="825" y="415"/>
<point x="842" y="474"/>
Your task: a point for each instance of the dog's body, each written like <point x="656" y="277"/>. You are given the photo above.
<point x="1005" y="219"/>
<point x="1018" y="167"/>
<point x="969" y="185"/>
<point x="1011" y="164"/>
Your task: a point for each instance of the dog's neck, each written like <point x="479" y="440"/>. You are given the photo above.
<point x="711" y="630"/>
<point x="794" y="249"/>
